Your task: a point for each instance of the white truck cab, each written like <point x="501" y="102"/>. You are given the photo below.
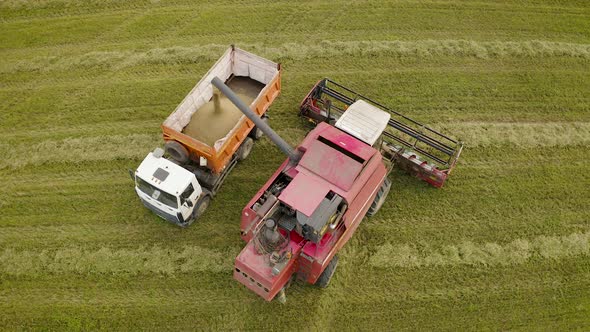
<point x="169" y="190"/>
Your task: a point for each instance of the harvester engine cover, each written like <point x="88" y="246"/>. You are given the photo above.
<point x="316" y="225"/>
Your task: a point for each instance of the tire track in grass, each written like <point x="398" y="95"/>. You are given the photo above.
<point x="74" y="150"/>
<point x="67" y="131"/>
<point x="298" y="51"/>
<point x="517" y="252"/>
<point x="114" y="147"/>
<point x="110" y="261"/>
<point x="350" y="257"/>
<point x="548" y="134"/>
<point x="20" y="10"/>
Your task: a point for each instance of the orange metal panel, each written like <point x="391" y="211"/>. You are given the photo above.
<point x="217" y="160"/>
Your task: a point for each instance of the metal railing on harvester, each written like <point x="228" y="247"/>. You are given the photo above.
<point x="414" y="147"/>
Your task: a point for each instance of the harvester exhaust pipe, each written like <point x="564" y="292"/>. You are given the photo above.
<point x="293" y="155"/>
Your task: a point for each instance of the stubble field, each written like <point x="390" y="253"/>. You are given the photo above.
<point x="504" y="245"/>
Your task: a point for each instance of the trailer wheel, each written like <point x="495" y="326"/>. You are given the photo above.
<point x="177" y="151"/>
<point x="256" y="133"/>
<point x="324" y="279"/>
<point x="245" y="148"/>
<point x="379" y="198"/>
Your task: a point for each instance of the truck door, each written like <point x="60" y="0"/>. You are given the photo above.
<point x="188" y="200"/>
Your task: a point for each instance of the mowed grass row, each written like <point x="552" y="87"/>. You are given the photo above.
<point x="489" y="190"/>
<point x="432" y="90"/>
<point x="532" y="295"/>
<point x="189" y="259"/>
<point x="121" y="59"/>
<point x="109" y="146"/>
<point x="504" y="245"/>
<point x="227" y="23"/>
<point x="15" y="9"/>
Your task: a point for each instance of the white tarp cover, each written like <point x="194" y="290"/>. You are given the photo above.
<point x="237" y="62"/>
<point x="364" y="121"/>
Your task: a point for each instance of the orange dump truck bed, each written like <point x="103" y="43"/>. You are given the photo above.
<point x="211" y="128"/>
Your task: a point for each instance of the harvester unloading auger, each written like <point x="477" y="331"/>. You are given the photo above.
<point x="416" y="148"/>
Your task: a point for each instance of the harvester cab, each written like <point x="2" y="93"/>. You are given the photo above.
<point x="414" y="147"/>
<point x="310" y="207"/>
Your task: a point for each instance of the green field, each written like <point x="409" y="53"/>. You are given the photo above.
<point x="505" y="245"/>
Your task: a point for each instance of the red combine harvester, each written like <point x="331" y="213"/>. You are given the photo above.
<point x="310" y="207"/>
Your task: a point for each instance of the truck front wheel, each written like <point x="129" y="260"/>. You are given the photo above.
<point x="202" y="205"/>
<point x="177" y="151"/>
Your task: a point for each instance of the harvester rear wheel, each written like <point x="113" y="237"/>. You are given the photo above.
<point x="379" y="198"/>
<point x="324" y="279"/>
<point x="245" y="148"/>
<point x="177" y="151"/>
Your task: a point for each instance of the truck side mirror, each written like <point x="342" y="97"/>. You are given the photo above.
<point x="186" y="201"/>
<point x="131" y="174"/>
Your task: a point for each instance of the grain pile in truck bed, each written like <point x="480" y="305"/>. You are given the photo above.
<point x="212" y="122"/>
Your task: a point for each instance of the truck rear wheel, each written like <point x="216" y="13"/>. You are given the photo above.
<point x="206" y="178"/>
<point x="324" y="279"/>
<point x="379" y="198"/>
<point x="177" y="151"/>
<point x="256" y="133"/>
<point x="245" y="148"/>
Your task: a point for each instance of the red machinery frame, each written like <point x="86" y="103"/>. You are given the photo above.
<point x="416" y="148"/>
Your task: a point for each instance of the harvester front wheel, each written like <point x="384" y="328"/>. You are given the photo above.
<point x="245" y="148"/>
<point x="324" y="279"/>
<point x="177" y="151"/>
<point x="379" y="198"/>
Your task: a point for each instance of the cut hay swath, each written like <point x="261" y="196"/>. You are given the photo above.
<point x="299" y="51"/>
<point x="519" y="251"/>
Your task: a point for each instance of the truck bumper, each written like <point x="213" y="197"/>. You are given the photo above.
<point x="164" y="215"/>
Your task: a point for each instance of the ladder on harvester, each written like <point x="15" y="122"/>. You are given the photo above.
<point x="414" y="147"/>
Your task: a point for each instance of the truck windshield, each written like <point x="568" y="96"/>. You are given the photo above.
<point x="157" y="194"/>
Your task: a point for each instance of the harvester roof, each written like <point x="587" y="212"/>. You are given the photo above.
<point x="364" y="121"/>
<point x="332" y="161"/>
